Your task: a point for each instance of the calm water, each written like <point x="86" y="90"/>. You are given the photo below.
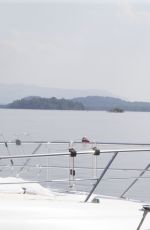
<point x="73" y="125"/>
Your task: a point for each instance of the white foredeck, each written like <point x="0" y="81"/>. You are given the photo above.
<point x="67" y="211"/>
<point x="26" y="205"/>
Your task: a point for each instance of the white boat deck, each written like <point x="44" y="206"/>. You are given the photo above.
<point x="68" y="211"/>
<point x="27" y="205"/>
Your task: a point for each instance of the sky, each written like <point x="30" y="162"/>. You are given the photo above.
<point x="77" y="45"/>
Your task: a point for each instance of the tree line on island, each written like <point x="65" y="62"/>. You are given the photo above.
<point x="45" y="104"/>
<point x="95" y="103"/>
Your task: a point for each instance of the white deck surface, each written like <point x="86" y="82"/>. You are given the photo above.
<point x="56" y="211"/>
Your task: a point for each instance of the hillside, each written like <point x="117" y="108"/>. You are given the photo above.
<point x="12" y="92"/>
<point x="81" y="103"/>
<point x="45" y="103"/>
<point x="109" y="103"/>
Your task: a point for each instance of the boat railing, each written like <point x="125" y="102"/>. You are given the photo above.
<point x="29" y="158"/>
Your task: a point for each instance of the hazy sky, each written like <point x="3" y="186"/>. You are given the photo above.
<point x="78" y="45"/>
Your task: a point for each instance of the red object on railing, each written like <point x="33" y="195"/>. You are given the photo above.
<point x="85" y="140"/>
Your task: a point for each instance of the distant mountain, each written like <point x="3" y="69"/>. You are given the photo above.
<point x="110" y="103"/>
<point x="81" y="103"/>
<point x="11" y="92"/>
<point x="45" y="104"/>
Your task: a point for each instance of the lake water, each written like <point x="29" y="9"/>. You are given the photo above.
<point x="73" y="125"/>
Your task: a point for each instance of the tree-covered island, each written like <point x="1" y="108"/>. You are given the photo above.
<point x="45" y="104"/>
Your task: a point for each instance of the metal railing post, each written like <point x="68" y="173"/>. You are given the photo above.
<point x="146" y="210"/>
<point x="26" y="162"/>
<point x="101" y="176"/>
<point x="131" y="185"/>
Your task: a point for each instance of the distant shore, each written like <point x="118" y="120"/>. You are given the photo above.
<point x="90" y="103"/>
